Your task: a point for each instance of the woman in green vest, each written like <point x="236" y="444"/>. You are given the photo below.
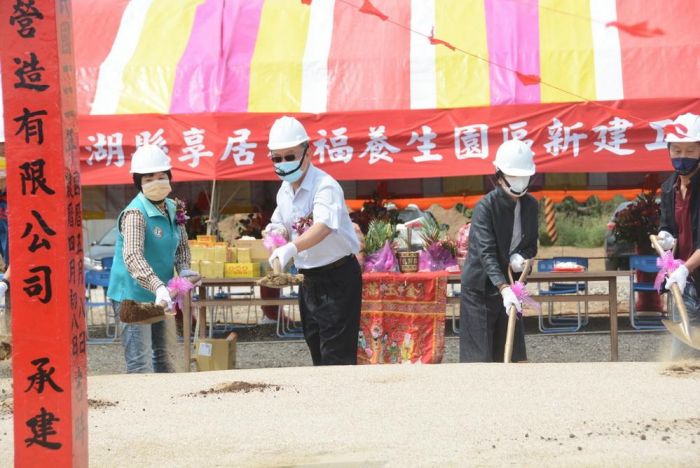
<point x="150" y="247"/>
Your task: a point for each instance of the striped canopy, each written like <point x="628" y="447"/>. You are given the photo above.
<point x="316" y="56"/>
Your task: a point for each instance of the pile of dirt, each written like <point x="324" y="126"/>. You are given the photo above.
<point x="5" y="350"/>
<point x="6" y="407"/>
<point x="683" y="368"/>
<point x="101" y="404"/>
<point x="280" y="280"/>
<point x="236" y="387"/>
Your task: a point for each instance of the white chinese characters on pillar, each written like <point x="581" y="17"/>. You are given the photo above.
<point x="472" y="142"/>
<point x="194" y="148"/>
<point x="561" y="136"/>
<point x="240" y="149"/>
<point x="106" y="148"/>
<point x="425" y="146"/>
<point x="611" y="137"/>
<point x="660" y="142"/>
<point x="516" y="131"/>
<point x="148" y="138"/>
<point x="338" y="150"/>
<point x="378" y="147"/>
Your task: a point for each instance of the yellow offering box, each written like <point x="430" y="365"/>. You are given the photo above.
<point x="242" y="270"/>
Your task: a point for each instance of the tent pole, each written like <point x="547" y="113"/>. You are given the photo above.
<point x="210" y="222"/>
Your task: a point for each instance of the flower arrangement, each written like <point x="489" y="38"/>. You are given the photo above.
<point x="251" y="225"/>
<point x="439" y="252"/>
<point x="641" y="218"/>
<point x="181" y="216"/>
<point x="302" y="224"/>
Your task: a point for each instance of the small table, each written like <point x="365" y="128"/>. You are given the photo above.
<point x="580" y="277"/>
<point x="204" y="302"/>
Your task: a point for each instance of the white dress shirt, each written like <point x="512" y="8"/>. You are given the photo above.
<point x="321" y="195"/>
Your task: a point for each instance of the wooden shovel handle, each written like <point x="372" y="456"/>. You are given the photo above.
<point x="675" y="289"/>
<point x="276" y="266"/>
<point x="512" y="315"/>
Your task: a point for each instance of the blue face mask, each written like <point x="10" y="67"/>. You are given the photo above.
<point x="290" y="171"/>
<point x="684" y="166"/>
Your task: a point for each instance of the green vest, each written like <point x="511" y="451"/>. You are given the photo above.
<point x="162" y="237"/>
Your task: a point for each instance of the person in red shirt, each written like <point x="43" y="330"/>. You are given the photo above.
<point x="680" y="218"/>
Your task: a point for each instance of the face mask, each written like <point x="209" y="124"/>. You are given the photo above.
<point x="156" y="190"/>
<point x="517" y="185"/>
<point x="684" y="166"/>
<point x="290" y="171"/>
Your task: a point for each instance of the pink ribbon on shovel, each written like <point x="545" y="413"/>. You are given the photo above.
<point x="523" y="296"/>
<point x="274" y="240"/>
<point x="181" y="286"/>
<point x="667" y="264"/>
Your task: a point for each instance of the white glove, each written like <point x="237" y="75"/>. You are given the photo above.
<point x="509" y="299"/>
<point x="517" y="263"/>
<point x="666" y="240"/>
<point x="3" y="288"/>
<point x="186" y="273"/>
<point x="679" y="276"/>
<point x="163" y="296"/>
<point x="285" y="253"/>
<point x="276" y="228"/>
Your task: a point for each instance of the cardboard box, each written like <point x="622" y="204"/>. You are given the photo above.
<point x="194" y="266"/>
<point x="211" y="269"/>
<point x="231" y="255"/>
<point x="215" y="354"/>
<point x="198" y="252"/>
<point x="242" y="270"/>
<point x="258" y="252"/>
<point x="209" y="240"/>
<point x="243" y="255"/>
<point x="219" y="253"/>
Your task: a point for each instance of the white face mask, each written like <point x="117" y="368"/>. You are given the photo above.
<point x="156" y="190"/>
<point x="517" y="185"/>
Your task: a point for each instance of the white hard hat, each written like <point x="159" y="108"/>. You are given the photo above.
<point x="148" y="159"/>
<point x="286" y="132"/>
<point x="685" y="129"/>
<point x="515" y="158"/>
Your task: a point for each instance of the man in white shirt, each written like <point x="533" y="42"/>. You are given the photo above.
<point x="311" y="214"/>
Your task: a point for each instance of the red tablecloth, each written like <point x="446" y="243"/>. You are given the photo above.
<point x="403" y="318"/>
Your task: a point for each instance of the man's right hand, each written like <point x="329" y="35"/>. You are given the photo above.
<point x="163" y="297"/>
<point x="510" y="299"/>
<point x="666" y="240"/>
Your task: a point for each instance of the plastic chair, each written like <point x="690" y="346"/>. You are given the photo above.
<point x="453" y="290"/>
<point x="645" y="263"/>
<point x="106" y="263"/>
<point x="96" y="280"/>
<point x="562" y="324"/>
<point x="286" y="326"/>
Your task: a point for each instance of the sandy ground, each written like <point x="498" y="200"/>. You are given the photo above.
<point x="621" y="414"/>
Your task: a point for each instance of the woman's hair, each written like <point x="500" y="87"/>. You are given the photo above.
<point x="138" y="177"/>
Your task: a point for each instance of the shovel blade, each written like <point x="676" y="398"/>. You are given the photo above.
<point x="692" y="338"/>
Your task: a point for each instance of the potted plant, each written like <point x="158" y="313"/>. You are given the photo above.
<point x="634" y="224"/>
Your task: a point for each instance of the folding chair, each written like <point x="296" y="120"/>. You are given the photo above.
<point x="286" y="326"/>
<point x="99" y="280"/>
<point x="106" y="262"/>
<point x="453" y="290"/>
<point x="562" y="324"/>
<point x="645" y="263"/>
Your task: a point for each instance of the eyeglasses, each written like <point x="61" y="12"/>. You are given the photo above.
<point x="286" y="157"/>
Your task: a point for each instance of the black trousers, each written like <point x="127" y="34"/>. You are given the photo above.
<point x="483" y="324"/>
<point x="330" y="301"/>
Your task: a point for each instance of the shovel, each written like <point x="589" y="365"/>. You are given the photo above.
<point x="683" y="331"/>
<point x="147" y="312"/>
<point x="512" y="316"/>
<point x="277" y="279"/>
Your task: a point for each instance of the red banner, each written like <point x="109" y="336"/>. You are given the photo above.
<point x="49" y="361"/>
<point x="403" y="318"/>
<point x="618" y="136"/>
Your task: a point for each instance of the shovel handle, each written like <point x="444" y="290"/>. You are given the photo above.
<point x="675" y="289"/>
<point x="276" y="266"/>
<point x="512" y="315"/>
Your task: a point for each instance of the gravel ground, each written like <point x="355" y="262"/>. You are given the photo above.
<point x="582" y="347"/>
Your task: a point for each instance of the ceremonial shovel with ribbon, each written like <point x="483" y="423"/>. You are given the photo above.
<point x="683" y="330"/>
<point x="523" y="296"/>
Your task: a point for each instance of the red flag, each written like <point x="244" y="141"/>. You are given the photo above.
<point x="640" y="29"/>
<point x="435" y="41"/>
<point x="370" y="9"/>
<point x="528" y="80"/>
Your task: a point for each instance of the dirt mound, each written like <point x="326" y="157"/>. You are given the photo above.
<point x="6" y="407"/>
<point x="101" y="404"/>
<point x="5" y="350"/>
<point x="237" y="387"/>
<point x="683" y="368"/>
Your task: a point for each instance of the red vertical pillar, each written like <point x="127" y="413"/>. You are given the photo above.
<point x="43" y="185"/>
